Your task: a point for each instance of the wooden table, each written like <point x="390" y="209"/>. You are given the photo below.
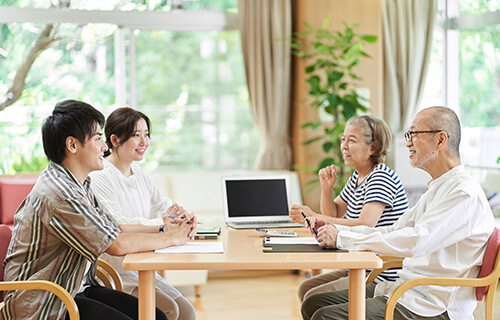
<point x="243" y="251"/>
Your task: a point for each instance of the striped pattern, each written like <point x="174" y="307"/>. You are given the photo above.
<point x="381" y="185"/>
<point x="58" y="229"/>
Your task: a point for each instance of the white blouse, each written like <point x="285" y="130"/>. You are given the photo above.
<point x="131" y="200"/>
<point x="443" y="235"/>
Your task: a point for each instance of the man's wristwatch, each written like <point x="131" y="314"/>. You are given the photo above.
<point x="161" y="230"/>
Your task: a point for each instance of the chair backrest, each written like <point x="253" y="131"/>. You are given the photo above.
<point x="490" y="257"/>
<point x="5" y="236"/>
<point x="12" y="193"/>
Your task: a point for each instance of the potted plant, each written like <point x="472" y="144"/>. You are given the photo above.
<point x="332" y="57"/>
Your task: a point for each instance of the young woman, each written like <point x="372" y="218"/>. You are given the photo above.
<point x="130" y="196"/>
<point x="373" y="195"/>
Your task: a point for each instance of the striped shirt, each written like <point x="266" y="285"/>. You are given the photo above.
<point x="58" y="229"/>
<point x="381" y="185"/>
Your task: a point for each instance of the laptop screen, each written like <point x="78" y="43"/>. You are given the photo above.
<point x="256" y="197"/>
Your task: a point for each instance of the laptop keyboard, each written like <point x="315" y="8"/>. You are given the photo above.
<point x="264" y="224"/>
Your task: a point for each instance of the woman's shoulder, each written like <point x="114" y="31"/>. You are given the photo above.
<point x="382" y="171"/>
<point x="108" y="175"/>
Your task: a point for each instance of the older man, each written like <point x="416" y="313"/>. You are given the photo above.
<point x="444" y="234"/>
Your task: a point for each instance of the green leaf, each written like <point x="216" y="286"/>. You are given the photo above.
<point x="325" y="162"/>
<point x="311" y="68"/>
<point x="299" y="54"/>
<point x="312" y="182"/>
<point x="308" y="142"/>
<point x="311" y="185"/>
<point x="304" y="168"/>
<point x="308" y="25"/>
<point x="334" y="77"/>
<point x="353" y="53"/>
<point x="343" y="85"/>
<point x="338" y="130"/>
<point x="333" y="102"/>
<point x="364" y="54"/>
<point x="349" y="109"/>
<point x="327" y="146"/>
<point x="312" y="125"/>
<point x="326" y="21"/>
<point x="363" y="108"/>
<point x="369" y="38"/>
<point x="314" y="83"/>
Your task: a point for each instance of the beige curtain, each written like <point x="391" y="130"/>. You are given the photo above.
<point x="408" y="26"/>
<point x="265" y="24"/>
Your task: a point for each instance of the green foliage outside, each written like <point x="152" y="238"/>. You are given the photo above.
<point x="480" y="77"/>
<point x="198" y="105"/>
<point x="332" y="57"/>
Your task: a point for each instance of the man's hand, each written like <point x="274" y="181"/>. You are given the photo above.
<point x="327" y="236"/>
<point x="180" y="233"/>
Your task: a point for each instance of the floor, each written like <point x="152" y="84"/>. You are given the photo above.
<point x="242" y="295"/>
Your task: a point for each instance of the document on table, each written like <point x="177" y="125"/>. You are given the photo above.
<point x="195" y="247"/>
<point x="282" y="240"/>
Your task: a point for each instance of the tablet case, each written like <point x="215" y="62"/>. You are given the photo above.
<point x="298" y="248"/>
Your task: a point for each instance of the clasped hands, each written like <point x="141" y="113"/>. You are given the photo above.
<point x="178" y="217"/>
<point x="327" y="232"/>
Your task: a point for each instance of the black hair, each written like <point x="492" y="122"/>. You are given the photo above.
<point x="70" y="118"/>
<point x="122" y="123"/>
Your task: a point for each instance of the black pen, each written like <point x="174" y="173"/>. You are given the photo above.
<point x="307" y="220"/>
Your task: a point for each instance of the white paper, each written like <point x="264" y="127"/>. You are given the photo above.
<point x="299" y="240"/>
<point x="195" y="247"/>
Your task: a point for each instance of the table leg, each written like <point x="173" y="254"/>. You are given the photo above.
<point x="315" y="272"/>
<point x="147" y="301"/>
<point x="357" y="294"/>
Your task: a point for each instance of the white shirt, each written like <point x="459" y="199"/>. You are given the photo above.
<point x="131" y="200"/>
<point x="443" y="235"/>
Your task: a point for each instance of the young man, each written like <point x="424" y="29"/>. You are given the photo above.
<point x="60" y="230"/>
<point x="443" y="235"/>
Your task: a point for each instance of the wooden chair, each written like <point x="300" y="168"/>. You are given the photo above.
<point x="108" y="275"/>
<point x="105" y="272"/>
<point x="389" y="263"/>
<point x="488" y="278"/>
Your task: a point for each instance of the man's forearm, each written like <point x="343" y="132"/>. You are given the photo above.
<point x="138" y="228"/>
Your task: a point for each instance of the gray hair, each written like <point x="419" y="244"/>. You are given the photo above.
<point x="443" y="118"/>
<point x="374" y="130"/>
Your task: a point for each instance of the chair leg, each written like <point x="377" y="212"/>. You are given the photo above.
<point x="197" y="290"/>
<point x="488" y="304"/>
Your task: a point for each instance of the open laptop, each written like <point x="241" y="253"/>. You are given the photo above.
<point x="257" y="201"/>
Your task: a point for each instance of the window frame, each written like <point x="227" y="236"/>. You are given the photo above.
<point x="127" y="22"/>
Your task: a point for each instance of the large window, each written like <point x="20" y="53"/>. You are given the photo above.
<point x="184" y="70"/>
<point x="465" y="75"/>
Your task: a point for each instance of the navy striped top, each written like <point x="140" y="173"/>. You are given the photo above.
<point x="381" y="185"/>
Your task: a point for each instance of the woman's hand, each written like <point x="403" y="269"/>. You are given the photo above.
<point x="296" y="213"/>
<point x="327" y="177"/>
<point x="181" y="215"/>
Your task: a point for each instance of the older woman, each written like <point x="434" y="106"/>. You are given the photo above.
<point x="373" y="195"/>
<point x="130" y="197"/>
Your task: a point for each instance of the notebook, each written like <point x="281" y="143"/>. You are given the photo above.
<point x="257" y="201"/>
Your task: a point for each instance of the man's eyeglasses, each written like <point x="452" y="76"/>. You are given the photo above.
<point x="410" y="134"/>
